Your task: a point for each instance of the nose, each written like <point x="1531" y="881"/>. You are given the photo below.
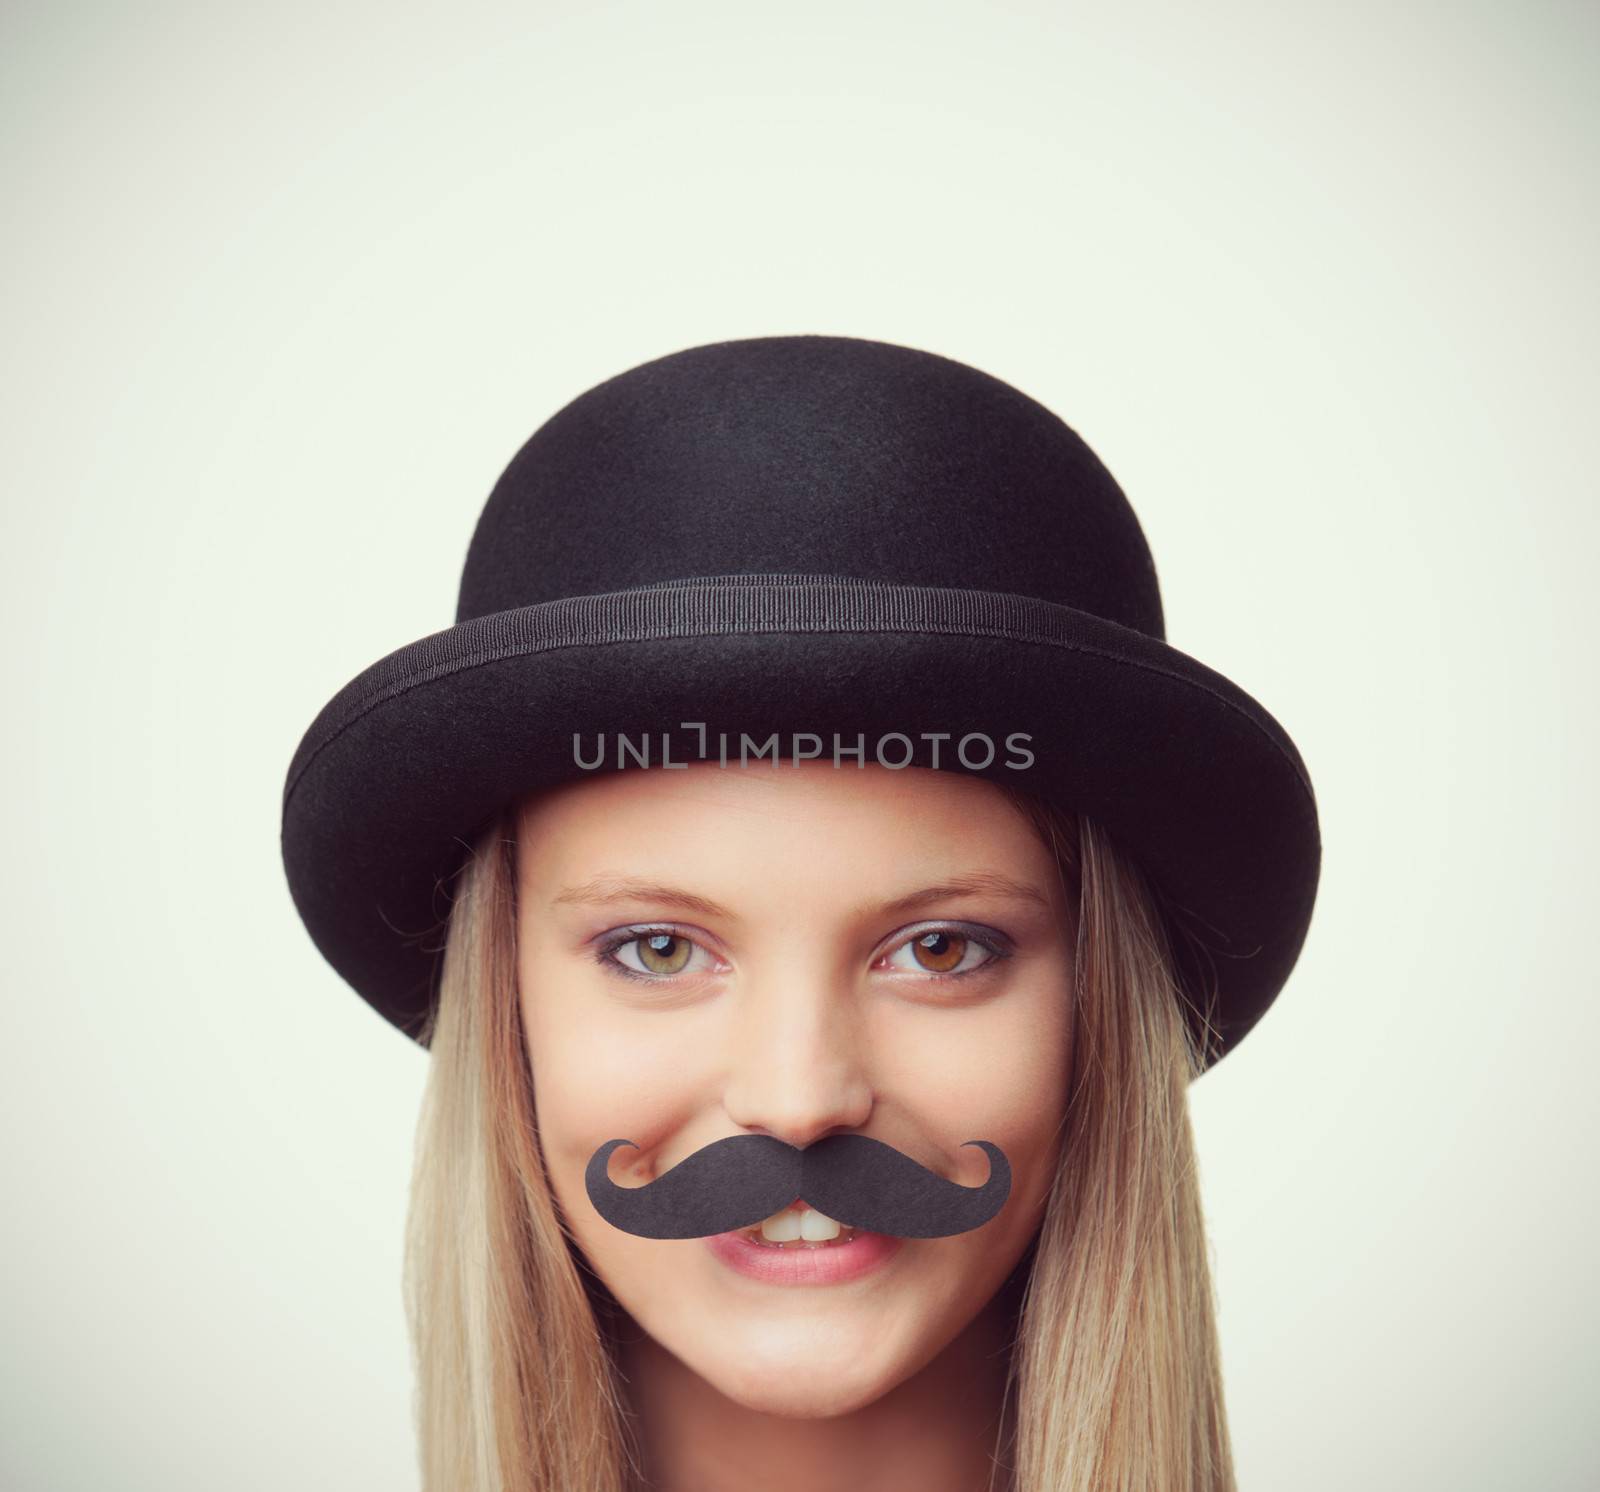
<point x="798" y="1064"/>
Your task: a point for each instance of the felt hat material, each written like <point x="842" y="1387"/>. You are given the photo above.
<point x="816" y="546"/>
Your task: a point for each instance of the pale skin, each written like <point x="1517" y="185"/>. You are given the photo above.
<point x="803" y="1010"/>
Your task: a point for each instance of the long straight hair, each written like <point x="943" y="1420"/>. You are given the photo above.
<point x="1115" y="1371"/>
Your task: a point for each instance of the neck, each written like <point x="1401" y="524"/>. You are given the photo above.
<point x="941" y="1430"/>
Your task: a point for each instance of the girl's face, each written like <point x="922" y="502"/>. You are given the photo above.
<point x="716" y="951"/>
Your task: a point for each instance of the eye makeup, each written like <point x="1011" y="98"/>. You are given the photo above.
<point x="659" y="953"/>
<point x="932" y="944"/>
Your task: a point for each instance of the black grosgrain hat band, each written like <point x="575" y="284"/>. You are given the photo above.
<point x="781" y="538"/>
<point x="714" y="605"/>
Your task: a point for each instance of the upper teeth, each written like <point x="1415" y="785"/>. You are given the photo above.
<point x="790" y="1224"/>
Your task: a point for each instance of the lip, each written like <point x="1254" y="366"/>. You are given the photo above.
<point x="802" y="1266"/>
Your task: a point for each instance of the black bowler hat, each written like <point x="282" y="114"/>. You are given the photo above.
<point x="803" y="546"/>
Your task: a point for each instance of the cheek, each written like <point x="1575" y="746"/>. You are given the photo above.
<point x="999" y="1072"/>
<point x="598" y="1076"/>
<point x="602" y="1074"/>
<point x="1004" y="1080"/>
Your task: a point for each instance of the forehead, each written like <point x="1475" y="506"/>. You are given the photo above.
<point x="867" y="823"/>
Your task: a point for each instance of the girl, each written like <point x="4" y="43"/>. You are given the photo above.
<point x="817" y="882"/>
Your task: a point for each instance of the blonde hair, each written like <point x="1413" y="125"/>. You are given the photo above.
<point x="1115" y="1369"/>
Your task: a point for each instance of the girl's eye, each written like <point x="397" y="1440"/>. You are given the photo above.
<point x="654" y="953"/>
<point x="944" y="950"/>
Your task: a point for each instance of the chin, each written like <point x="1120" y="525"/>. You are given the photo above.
<point x="802" y="1367"/>
<point x="811" y="1391"/>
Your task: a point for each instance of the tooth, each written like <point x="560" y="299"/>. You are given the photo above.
<point x="816" y="1228"/>
<point x="783" y="1228"/>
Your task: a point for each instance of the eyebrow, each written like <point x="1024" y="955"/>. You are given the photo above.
<point x="603" y="890"/>
<point x="978" y="883"/>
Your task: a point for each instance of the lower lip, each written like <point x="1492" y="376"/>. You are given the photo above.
<point x="829" y="1265"/>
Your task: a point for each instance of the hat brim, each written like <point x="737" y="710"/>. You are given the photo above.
<point x="1190" y="775"/>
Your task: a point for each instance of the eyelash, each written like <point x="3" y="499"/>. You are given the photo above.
<point x="992" y="944"/>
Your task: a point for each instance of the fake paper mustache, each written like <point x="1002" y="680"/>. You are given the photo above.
<point x="738" y="1181"/>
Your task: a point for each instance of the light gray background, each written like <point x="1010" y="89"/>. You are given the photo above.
<point x="287" y="286"/>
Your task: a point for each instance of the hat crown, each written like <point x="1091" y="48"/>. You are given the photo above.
<point x="810" y="455"/>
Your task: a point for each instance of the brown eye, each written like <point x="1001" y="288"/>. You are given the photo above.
<point x="946" y="950"/>
<point x="663" y="953"/>
<point x="939" y="952"/>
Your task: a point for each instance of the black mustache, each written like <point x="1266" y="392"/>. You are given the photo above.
<point x="735" y="1182"/>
